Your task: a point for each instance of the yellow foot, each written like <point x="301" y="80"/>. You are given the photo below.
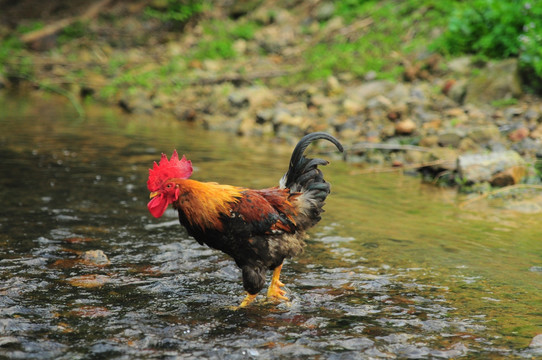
<point x="246" y="301"/>
<point x="275" y="291"/>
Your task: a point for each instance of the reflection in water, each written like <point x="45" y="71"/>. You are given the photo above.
<point x="394" y="270"/>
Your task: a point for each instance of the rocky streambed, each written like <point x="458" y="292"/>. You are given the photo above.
<point x="456" y="121"/>
<point x="467" y="131"/>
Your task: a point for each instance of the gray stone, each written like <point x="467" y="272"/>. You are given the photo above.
<point x="137" y="102"/>
<point x="458" y="91"/>
<point x="325" y="11"/>
<point x="536" y="342"/>
<point x="484" y="134"/>
<point x="460" y="65"/>
<point x="370" y="89"/>
<point x="238" y="99"/>
<point x="264" y="115"/>
<point x="475" y="168"/>
<point x="499" y="80"/>
<point x="449" y="139"/>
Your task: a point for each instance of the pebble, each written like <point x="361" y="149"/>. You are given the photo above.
<point x="405" y="127"/>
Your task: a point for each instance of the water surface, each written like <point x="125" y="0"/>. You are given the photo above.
<point x="396" y="269"/>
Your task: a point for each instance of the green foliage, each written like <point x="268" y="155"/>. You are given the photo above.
<point x="26" y="28"/>
<point x="177" y="12"/>
<point x="352" y="9"/>
<point x="8" y="47"/>
<point x="11" y="62"/>
<point x="244" y="31"/>
<point x="215" y="49"/>
<point x="504" y="102"/>
<point x="218" y="44"/>
<point x="74" y="31"/>
<point x="496" y="29"/>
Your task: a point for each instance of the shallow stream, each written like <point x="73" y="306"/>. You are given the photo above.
<point x="396" y="268"/>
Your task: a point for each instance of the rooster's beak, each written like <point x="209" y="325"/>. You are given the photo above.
<point x="153" y="194"/>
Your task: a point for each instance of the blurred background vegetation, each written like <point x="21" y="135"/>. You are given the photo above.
<point x="359" y="37"/>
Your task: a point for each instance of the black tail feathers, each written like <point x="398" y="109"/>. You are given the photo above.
<point x="303" y="174"/>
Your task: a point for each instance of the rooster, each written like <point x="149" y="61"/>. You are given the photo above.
<point x="257" y="228"/>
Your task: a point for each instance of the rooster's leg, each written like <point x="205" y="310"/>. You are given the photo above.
<point x="247" y="300"/>
<point x="275" y="290"/>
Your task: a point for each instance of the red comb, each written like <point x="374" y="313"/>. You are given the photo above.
<point x="168" y="169"/>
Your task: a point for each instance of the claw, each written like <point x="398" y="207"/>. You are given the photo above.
<point x="275" y="290"/>
<point x="246" y="301"/>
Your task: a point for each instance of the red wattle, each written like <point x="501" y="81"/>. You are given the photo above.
<point x="157" y="206"/>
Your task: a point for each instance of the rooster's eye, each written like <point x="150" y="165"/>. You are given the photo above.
<point x="168" y="186"/>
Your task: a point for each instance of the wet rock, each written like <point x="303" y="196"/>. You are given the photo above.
<point x="89" y="281"/>
<point x="6" y="341"/>
<point x="536" y="342"/>
<point x="89" y="311"/>
<point x="455" y="351"/>
<point x="359" y="343"/>
<point x="445" y="158"/>
<point x="499" y="80"/>
<point x="508" y="177"/>
<point x="476" y="168"/>
<point x="95" y="257"/>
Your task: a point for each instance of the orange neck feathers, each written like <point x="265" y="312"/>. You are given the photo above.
<point x="203" y="203"/>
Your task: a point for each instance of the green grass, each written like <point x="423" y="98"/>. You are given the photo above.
<point x="396" y="28"/>
<point x="175" y="12"/>
<point x="219" y="38"/>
